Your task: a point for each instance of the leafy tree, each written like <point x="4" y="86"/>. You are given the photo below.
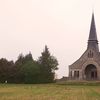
<point x="27" y="69"/>
<point x="18" y="64"/>
<point x="30" y="71"/>
<point x="6" y="70"/>
<point x="48" y="65"/>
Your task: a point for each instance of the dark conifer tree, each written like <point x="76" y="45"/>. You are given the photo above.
<point x="48" y="65"/>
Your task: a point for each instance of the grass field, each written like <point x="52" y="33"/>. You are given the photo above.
<point x="49" y="92"/>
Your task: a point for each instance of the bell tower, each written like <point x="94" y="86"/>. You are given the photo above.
<point x="93" y="41"/>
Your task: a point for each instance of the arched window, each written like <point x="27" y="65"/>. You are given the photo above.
<point x="90" y="54"/>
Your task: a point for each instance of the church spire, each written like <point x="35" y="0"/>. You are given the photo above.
<point x="92" y="41"/>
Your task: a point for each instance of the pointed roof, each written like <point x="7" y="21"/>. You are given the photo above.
<point x="93" y="34"/>
<point x="92" y="41"/>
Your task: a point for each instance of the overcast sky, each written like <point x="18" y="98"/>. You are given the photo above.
<point x="62" y="25"/>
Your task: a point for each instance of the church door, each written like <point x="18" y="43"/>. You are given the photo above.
<point x="91" y="72"/>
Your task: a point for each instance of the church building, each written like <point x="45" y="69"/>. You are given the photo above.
<point x="87" y="67"/>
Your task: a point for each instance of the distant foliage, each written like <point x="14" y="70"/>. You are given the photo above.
<point x="27" y="70"/>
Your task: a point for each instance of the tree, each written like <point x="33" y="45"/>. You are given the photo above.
<point x="48" y="65"/>
<point x="27" y="69"/>
<point x="18" y="64"/>
<point x="6" y="70"/>
<point x="30" y="71"/>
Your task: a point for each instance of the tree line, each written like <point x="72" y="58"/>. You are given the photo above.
<point x="27" y="70"/>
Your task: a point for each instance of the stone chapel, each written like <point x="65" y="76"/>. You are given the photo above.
<point x="87" y="67"/>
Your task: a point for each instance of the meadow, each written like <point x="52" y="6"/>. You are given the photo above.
<point x="50" y="91"/>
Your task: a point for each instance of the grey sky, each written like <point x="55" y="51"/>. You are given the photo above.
<point x="63" y="25"/>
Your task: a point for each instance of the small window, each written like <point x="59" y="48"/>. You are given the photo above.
<point x="71" y="73"/>
<point x="76" y="74"/>
<point x="90" y="54"/>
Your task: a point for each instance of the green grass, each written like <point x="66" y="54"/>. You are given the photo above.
<point x="59" y="91"/>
